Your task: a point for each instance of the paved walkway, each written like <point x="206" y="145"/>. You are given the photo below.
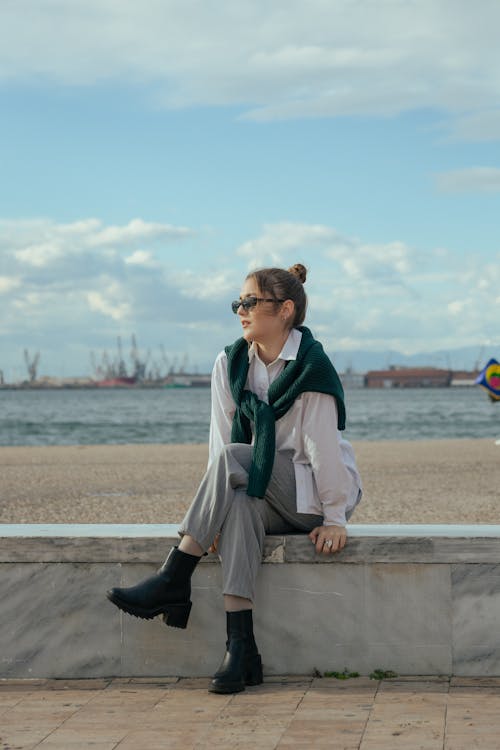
<point x="424" y="713"/>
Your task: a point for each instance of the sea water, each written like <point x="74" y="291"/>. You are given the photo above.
<point x="182" y="415"/>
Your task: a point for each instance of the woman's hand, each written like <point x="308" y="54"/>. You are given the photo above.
<point x="213" y="546"/>
<point x="328" y="539"/>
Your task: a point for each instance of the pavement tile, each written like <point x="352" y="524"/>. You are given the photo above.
<point x="159" y="740"/>
<point x="338" y="698"/>
<point x="297" y="743"/>
<point x="416" y="678"/>
<point x="355" y="683"/>
<point x="323" y="728"/>
<point x="66" y="737"/>
<point x="69" y="698"/>
<point x="313" y="734"/>
<point x="261" y="741"/>
<point x="399" y="743"/>
<point x="154" y="681"/>
<point x="326" y="727"/>
<point x="245" y="712"/>
<point x="9" y="700"/>
<point x="484" y="742"/>
<point x="410" y="686"/>
<point x="10" y="685"/>
<point x="241" y="737"/>
<point x="410" y="741"/>
<point x="271" y="691"/>
<point x="200" y="703"/>
<point x="235" y="743"/>
<point x="91" y="684"/>
<point x="119" y="681"/>
<point x="472" y="693"/>
<point x="474" y="726"/>
<point x="196" y="711"/>
<point x="82" y="744"/>
<point x="335" y="716"/>
<point x="181" y="714"/>
<point x="191" y="683"/>
<point x="20" y="738"/>
<point x="475" y="682"/>
<point x="36" y="709"/>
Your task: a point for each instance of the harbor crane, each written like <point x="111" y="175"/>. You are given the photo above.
<point x="32" y="365"/>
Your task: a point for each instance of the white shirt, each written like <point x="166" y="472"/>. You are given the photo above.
<point x="327" y="480"/>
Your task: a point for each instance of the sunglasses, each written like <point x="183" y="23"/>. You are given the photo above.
<point x="250" y="302"/>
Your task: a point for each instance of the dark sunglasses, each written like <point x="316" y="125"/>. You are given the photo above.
<point x="250" y="302"/>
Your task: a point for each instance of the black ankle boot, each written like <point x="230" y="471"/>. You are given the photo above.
<point x="167" y="592"/>
<point x="241" y="664"/>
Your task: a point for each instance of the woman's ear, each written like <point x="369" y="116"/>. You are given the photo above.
<point x="287" y="311"/>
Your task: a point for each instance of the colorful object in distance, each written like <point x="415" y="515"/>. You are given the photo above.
<point x="489" y="379"/>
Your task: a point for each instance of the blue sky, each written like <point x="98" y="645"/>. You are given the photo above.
<point x="152" y="154"/>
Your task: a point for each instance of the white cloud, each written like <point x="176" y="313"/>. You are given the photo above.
<point x="376" y="296"/>
<point x="481" y="126"/>
<point x="278" y="60"/>
<point x="213" y="284"/>
<point x="135" y="231"/>
<point x="456" y="307"/>
<point x="472" y="179"/>
<point x="40" y="255"/>
<point x="44" y="243"/>
<point x="57" y="268"/>
<point x="64" y="292"/>
<point x="110" y="302"/>
<point x="362" y="294"/>
<point x="286" y="243"/>
<point x="141" y="258"/>
<point x="279" y="240"/>
<point x="8" y="283"/>
<point x="393" y="260"/>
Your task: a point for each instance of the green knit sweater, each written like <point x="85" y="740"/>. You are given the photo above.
<point x="311" y="371"/>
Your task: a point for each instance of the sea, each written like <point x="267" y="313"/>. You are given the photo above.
<point x="182" y="415"/>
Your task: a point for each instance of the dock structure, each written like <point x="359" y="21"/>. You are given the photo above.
<point x="409" y="377"/>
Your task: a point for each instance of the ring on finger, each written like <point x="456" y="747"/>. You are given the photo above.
<point x="328" y="543"/>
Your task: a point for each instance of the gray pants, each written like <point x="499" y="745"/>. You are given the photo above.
<point x="222" y="505"/>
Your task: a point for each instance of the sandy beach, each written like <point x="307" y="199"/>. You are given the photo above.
<point x="441" y="481"/>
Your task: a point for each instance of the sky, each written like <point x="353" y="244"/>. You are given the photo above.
<point x="153" y="153"/>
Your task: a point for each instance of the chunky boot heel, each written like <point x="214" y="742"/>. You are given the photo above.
<point x="165" y="593"/>
<point x="177" y="615"/>
<point x="253" y="674"/>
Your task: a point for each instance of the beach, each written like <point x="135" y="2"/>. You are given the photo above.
<point x="425" y="481"/>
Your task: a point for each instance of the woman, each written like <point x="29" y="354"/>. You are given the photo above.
<point x="276" y="464"/>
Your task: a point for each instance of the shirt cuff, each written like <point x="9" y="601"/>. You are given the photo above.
<point x="334" y="518"/>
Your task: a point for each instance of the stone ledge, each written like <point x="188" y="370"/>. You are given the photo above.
<point x="148" y="543"/>
<point x="402" y="598"/>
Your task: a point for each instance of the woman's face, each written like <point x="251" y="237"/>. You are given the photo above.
<point x="262" y="323"/>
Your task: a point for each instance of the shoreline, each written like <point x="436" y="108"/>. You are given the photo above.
<point x="414" y="481"/>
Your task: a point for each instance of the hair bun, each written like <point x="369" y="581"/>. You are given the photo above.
<point x="299" y="271"/>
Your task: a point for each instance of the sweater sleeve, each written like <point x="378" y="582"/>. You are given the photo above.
<point x="222" y="409"/>
<point x="322" y="447"/>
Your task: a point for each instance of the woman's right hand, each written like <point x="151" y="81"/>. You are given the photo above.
<point x="213" y="546"/>
<point x="328" y="539"/>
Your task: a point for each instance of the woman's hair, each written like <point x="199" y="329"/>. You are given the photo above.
<point x="282" y="285"/>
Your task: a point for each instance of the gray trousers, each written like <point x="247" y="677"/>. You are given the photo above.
<point x="222" y="505"/>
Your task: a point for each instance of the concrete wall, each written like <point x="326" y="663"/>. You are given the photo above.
<point x="413" y="599"/>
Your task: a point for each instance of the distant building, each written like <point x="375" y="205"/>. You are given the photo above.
<point x="350" y="379"/>
<point x="464" y="377"/>
<point x="408" y="377"/>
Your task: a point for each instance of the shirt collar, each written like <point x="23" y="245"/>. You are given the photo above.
<point x="290" y="347"/>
